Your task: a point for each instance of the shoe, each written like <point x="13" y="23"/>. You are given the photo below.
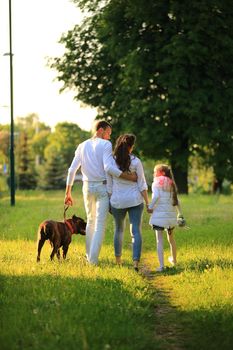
<point x="159" y="269"/>
<point x="136" y="269"/>
<point x="170" y="259"/>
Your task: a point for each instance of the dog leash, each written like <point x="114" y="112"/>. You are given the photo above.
<point x="68" y="224"/>
<point x="65" y="210"/>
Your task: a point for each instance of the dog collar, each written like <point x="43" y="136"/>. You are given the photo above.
<point x="69" y="226"/>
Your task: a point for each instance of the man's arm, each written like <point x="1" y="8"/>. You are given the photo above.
<point x="76" y="163"/>
<point x="112" y="169"/>
<point x="129" y="176"/>
<point x="109" y="165"/>
<point x="68" y="197"/>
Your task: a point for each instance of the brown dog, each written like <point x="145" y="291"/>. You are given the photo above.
<point x="59" y="234"/>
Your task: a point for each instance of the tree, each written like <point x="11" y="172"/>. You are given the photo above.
<point x="4" y="144"/>
<point x="165" y="75"/>
<point x="39" y="143"/>
<point x="66" y="138"/>
<point x="52" y="171"/>
<point x="37" y="133"/>
<point x="27" y="177"/>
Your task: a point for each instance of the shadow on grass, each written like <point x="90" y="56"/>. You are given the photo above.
<point x="200" y="329"/>
<point x="54" y="312"/>
<point x="210" y="329"/>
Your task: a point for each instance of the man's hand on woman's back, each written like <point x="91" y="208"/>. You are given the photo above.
<point x="126" y="175"/>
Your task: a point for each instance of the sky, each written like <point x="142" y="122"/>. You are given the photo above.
<point x="37" y="26"/>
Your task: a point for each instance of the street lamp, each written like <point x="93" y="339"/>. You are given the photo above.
<point x="12" y="157"/>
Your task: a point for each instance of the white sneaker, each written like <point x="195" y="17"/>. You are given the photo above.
<point x="170" y="259"/>
<point x="159" y="269"/>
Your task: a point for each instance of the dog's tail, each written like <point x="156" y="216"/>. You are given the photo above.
<point x="44" y="231"/>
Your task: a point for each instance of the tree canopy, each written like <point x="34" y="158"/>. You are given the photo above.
<point x="162" y="70"/>
<point x="66" y="137"/>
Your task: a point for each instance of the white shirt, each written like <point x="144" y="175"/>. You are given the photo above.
<point x="125" y="194"/>
<point x="94" y="156"/>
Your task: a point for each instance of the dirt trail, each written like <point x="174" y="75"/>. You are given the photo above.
<point x="168" y="329"/>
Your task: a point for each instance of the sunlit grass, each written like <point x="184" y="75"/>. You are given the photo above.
<point x="67" y="304"/>
<point x="200" y="288"/>
<point x="52" y="305"/>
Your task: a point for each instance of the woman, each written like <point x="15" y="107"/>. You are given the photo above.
<point x="127" y="197"/>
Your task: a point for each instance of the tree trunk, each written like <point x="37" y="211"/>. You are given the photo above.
<point x="217" y="185"/>
<point x="181" y="178"/>
<point x="179" y="164"/>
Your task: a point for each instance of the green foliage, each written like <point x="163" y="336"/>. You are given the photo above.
<point x="37" y="149"/>
<point x="59" y="153"/>
<point x="164" y="74"/>
<point x="3" y="185"/>
<point x="37" y="133"/>
<point x="53" y="171"/>
<point x="65" y="138"/>
<point x="39" y="143"/>
<point x="4" y="145"/>
<point x="31" y="124"/>
<point x="201" y="176"/>
<point x="26" y="173"/>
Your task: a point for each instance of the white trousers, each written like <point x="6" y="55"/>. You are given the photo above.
<point x="96" y="203"/>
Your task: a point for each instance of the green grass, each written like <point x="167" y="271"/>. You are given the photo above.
<point x="71" y="305"/>
<point x="201" y="287"/>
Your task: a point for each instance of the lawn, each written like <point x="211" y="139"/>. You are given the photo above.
<point x="71" y="305"/>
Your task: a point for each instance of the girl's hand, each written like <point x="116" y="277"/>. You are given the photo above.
<point x="150" y="211"/>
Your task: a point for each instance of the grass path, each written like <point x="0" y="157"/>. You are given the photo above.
<point x="71" y="305"/>
<point x="167" y="328"/>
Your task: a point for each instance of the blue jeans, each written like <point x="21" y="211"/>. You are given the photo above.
<point x="135" y="218"/>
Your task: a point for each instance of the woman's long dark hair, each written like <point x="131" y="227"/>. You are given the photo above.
<point x="121" y="151"/>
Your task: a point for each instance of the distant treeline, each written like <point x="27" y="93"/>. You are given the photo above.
<point x="42" y="156"/>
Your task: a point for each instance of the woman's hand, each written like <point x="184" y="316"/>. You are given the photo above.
<point x="150" y="211"/>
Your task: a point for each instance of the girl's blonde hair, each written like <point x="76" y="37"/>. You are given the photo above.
<point x="165" y="170"/>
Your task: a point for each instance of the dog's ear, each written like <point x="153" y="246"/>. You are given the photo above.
<point x="75" y="218"/>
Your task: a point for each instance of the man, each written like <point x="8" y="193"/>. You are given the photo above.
<point x="94" y="156"/>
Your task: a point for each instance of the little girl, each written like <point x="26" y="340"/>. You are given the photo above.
<point x="165" y="210"/>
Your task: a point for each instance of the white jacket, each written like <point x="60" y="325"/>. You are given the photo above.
<point x="164" y="213"/>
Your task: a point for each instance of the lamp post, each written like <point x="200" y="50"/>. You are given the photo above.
<point x="12" y="157"/>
